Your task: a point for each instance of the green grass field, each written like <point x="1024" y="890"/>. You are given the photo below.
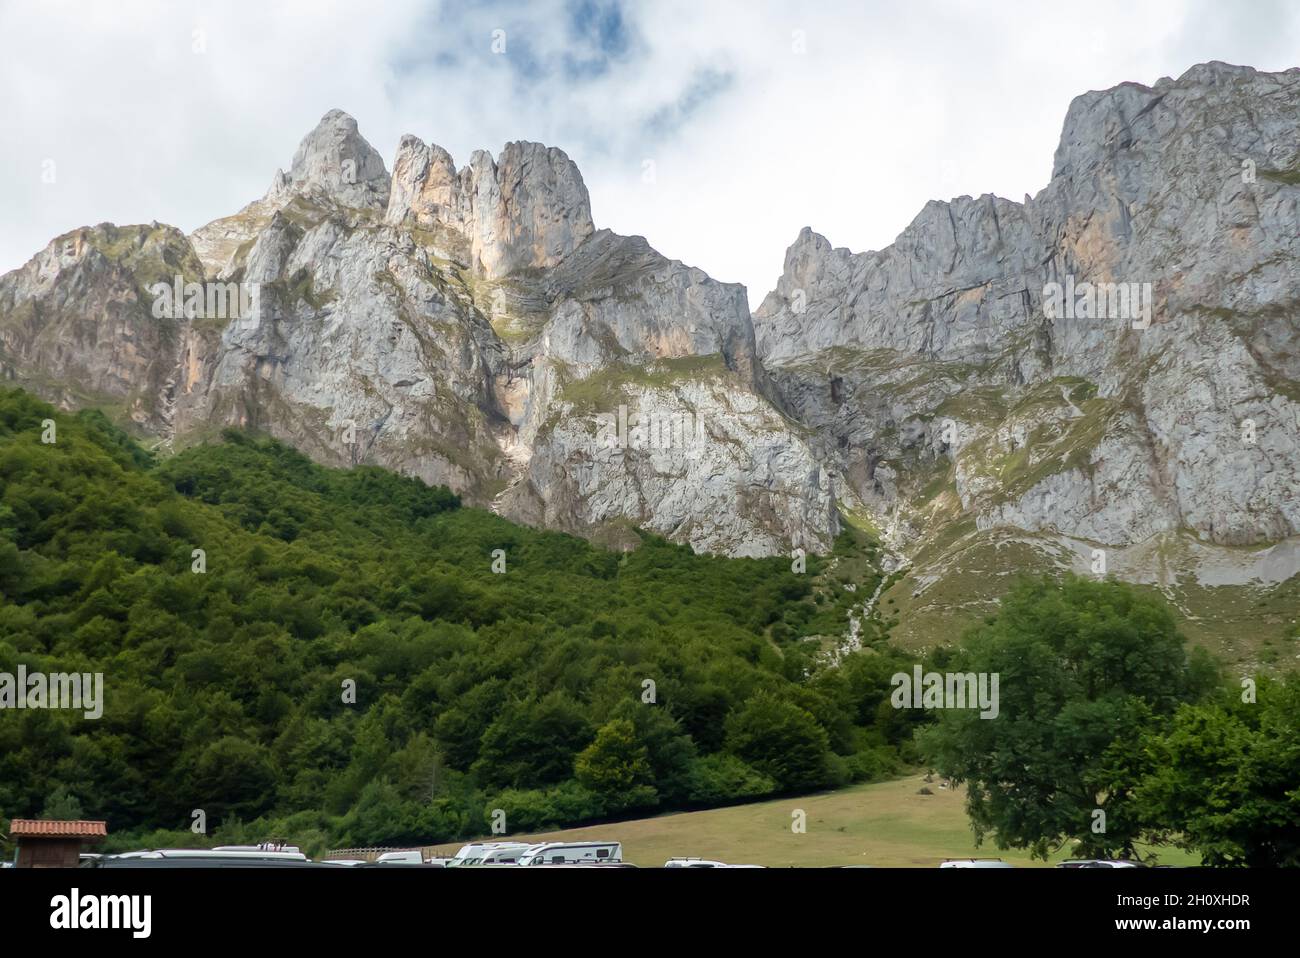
<point x="886" y="824"/>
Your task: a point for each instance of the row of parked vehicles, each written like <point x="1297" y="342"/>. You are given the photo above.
<point x="591" y="854"/>
<point x="1073" y="863"/>
<point x="518" y="853"/>
<point x="478" y="854"/>
<point x="279" y="854"/>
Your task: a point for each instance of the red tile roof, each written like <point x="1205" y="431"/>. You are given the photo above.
<point x="41" y="828"/>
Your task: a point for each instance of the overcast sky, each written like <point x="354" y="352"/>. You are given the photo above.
<point x="715" y="129"/>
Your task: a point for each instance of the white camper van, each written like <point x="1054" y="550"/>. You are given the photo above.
<point x="488" y="853"/>
<point x="400" y="858"/>
<point x="572" y="853"/>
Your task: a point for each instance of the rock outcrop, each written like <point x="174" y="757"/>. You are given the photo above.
<point x="1173" y="409"/>
<point x="528" y="209"/>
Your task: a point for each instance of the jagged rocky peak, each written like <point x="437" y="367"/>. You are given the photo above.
<point x="810" y="261"/>
<point x="941" y="288"/>
<point x="334" y="167"/>
<point x="78" y="319"/>
<point x="335" y="162"/>
<point x="1101" y="125"/>
<point x="528" y="208"/>
<point x="426" y="186"/>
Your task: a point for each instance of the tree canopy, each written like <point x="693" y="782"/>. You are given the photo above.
<point x="227" y="672"/>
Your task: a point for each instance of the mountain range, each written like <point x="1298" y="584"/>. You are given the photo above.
<point x="1103" y="377"/>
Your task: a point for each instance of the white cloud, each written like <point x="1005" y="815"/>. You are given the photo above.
<point x="889" y="105"/>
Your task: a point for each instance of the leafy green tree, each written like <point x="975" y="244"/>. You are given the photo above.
<point x="781" y="741"/>
<point x="616" y="766"/>
<point x="62" y="805"/>
<point x="533" y="742"/>
<point x="1081" y="665"/>
<point x="380" y="817"/>
<point x="721" y="778"/>
<point x="1223" y="779"/>
<point x="670" y="751"/>
<point x="233" y="776"/>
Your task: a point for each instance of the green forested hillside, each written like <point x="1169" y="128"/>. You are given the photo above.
<point x="329" y="656"/>
<point x="225" y="688"/>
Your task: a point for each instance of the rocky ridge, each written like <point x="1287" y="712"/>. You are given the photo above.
<point x="470" y="327"/>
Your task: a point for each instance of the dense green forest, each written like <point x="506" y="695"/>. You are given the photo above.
<point x="355" y="659"/>
<point x="524" y="690"/>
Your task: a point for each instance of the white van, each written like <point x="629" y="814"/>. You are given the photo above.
<point x="975" y="863"/>
<point x="703" y="863"/>
<point x="572" y="853"/>
<point x="400" y="858"/>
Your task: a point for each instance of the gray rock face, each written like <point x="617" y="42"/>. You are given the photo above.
<point x="1183" y="417"/>
<point x="468" y="327"/>
<point x="472" y="327"/>
<point x="77" y="322"/>
<point x="335" y="163"/>
<point x="699" y="459"/>
<point x="528" y="209"/>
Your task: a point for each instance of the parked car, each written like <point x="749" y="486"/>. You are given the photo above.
<point x="271" y="846"/>
<point x="1099" y="863"/>
<point x="590" y="864"/>
<point x="703" y="863"/>
<point x="975" y="863"/>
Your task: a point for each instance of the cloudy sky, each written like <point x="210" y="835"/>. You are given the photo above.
<point x="715" y="129"/>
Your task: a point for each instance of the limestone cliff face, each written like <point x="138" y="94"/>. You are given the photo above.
<point x="938" y="364"/>
<point x="472" y="326"/>
<point x="527" y="209"/>
<point x="77" y="321"/>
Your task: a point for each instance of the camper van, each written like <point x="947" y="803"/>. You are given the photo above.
<point x="506" y="853"/>
<point x="487" y="853"/>
<point x="400" y="858"/>
<point x="570" y="853"/>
